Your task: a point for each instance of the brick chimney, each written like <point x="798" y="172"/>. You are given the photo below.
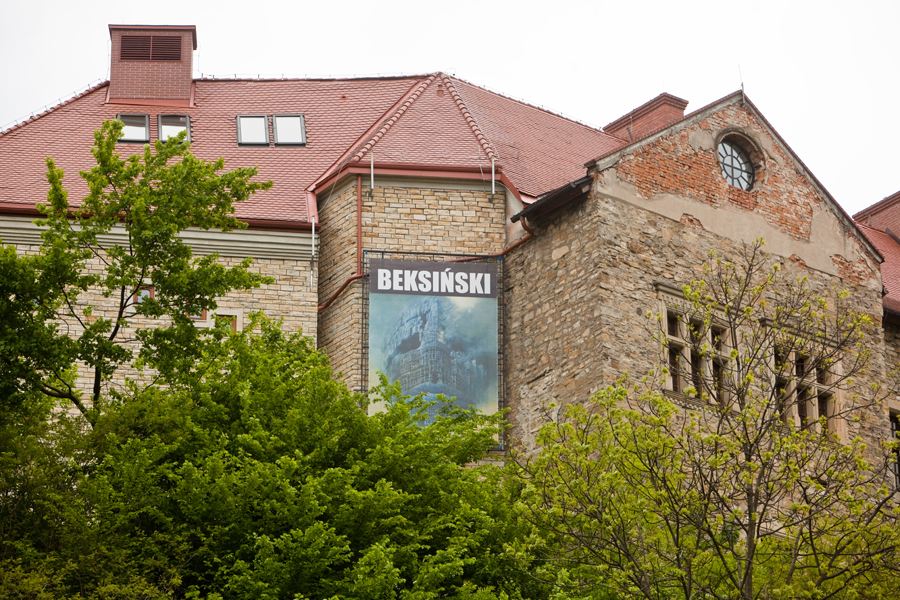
<point x="151" y="64"/>
<point x="648" y="118"/>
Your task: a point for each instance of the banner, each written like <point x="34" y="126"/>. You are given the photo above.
<point x="433" y="328"/>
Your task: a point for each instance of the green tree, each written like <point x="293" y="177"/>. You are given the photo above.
<point x="123" y="236"/>
<point x="257" y="475"/>
<point x="749" y="478"/>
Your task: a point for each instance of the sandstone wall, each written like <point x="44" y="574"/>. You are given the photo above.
<point x="397" y="217"/>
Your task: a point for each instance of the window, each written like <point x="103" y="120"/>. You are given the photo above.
<point x="736" y="166"/>
<point x="144" y="292"/>
<point x="150" y="47"/>
<point x="697" y="357"/>
<point x="289" y="130"/>
<point x="804" y="391"/>
<point x="137" y="128"/>
<point x="253" y="130"/>
<point x="172" y="125"/>
<point x="199" y="316"/>
<point x="228" y="318"/>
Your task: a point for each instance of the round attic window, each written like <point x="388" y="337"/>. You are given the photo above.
<point x="736" y="166"/>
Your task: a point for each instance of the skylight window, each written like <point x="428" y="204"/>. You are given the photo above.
<point x="172" y="125"/>
<point x="289" y="130"/>
<point x="137" y="128"/>
<point x="253" y="130"/>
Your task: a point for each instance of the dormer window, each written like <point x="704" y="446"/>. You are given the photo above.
<point x="137" y="128"/>
<point x="253" y="130"/>
<point x="172" y="125"/>
<point x="290" y="130"/>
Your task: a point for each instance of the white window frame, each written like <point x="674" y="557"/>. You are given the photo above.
<point x="159" y="126"/>
<point x="302" y="129"/>
<point x="240" y="141"/>
<point x="143" y="140"/>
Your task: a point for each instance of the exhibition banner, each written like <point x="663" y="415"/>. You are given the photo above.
<point x="433" y="328"/>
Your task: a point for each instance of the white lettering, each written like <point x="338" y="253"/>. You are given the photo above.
<point x="462" y="284"/>
<point x="398" y="280"/>
<point x="487" y="283"/>
<point x="475" y="283"/>
<point x="409" y="281"/>
<point x="447" y="281"/>
<point x="384" y="279"/>
<point x="424" y="281"/>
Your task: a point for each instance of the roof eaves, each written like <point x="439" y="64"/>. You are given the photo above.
<point x="555" y="198"/>
<point x="53" y="108"/>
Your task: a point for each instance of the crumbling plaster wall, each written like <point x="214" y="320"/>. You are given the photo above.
<point x="578" y="294"/>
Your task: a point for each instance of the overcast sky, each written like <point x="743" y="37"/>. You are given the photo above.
<point x="825" y="74"/>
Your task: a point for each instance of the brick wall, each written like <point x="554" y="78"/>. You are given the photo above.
<point x="395" y="218"/>
<point x="164" y="80"/>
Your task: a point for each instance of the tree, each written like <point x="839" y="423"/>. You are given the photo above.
<point x="753" y="480"/>
<point x="257" y="475"/>
<point x="122" y="237"/>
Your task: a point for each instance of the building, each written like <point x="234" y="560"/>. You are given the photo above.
<point x="588" y="223"/>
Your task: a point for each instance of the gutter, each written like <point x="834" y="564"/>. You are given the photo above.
<point x="555" y="199"/>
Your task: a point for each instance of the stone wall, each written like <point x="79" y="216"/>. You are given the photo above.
<point x="292" y="298"/>
<point x="398" y="217"/>
<point x="578" y="294"/>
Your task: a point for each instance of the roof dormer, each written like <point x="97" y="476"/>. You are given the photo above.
<point x="151" y="64"/>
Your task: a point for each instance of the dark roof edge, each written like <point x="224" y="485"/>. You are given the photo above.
<point x="555" y="199"/>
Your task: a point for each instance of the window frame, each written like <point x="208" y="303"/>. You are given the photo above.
<point x="136" y="297"/>
<point x="813" y="385"/>
<point x="145" y="140"/>
<point x="238" y="126"/>
<point x="159" y="126"/>
<point x="302" y="129"/>
<point x="894" y="418"/>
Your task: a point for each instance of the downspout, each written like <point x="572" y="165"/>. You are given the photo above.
<point x="359" y="274"/>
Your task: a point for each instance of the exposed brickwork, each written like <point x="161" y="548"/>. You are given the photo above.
<point x="671" y="165"/>
<point x="648" y="118"/>
<point x="138" y="79"/>
<point x="578" y="294"/>
<point x="401" y="219"/>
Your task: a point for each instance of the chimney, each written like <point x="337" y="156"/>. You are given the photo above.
<point x="648" y="118"/>
<point x="151" y="64"/>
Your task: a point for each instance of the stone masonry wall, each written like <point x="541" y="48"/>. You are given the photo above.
<point x="396" y="218"/>
<point x="578" y="293"/>
<point x="290" y="298"/>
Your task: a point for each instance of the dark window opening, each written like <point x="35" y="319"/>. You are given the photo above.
<point x="674" y="360"/>
<point x="150" y="47"/>
<point x="895" y="436"/>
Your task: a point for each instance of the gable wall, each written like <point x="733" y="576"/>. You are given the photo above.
<point x="578" y="294"/>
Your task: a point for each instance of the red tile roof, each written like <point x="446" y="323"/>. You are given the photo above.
<point x="538" y="150"/>
<point x="431" y="120"/>
<point x="890" y="268"/>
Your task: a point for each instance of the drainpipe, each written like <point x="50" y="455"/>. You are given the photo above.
<point x="359" y="274"/>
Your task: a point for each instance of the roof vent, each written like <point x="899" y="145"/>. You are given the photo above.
<point x="151" y="64"/>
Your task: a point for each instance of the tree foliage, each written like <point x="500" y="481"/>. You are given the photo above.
<point x="257" y="475"/>
<point x="122" y="236"/>
<point x="731" y="488"/>
<point x="242" y="468"/>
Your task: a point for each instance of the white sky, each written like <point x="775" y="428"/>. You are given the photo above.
<point x="824" y="73"/>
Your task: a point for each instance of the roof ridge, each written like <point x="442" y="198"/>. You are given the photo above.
<point x="535" y="107"/>
<point x="401" y="110"/>
<point x="33" y="118"/>
<point x="347" y="155"/>
<point x="877" y="207"/>
<point x="485" y="142"/>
